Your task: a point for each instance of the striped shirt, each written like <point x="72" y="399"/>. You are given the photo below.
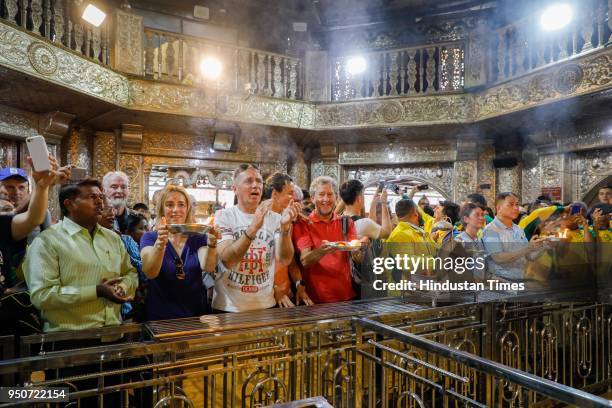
<point x="62" y="268"/>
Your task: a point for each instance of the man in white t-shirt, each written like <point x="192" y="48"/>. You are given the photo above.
<point x="352" y="195"/>
<point x="252" y="237"/>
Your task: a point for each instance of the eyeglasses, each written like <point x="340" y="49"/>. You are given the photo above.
<point x="180" y="271"/>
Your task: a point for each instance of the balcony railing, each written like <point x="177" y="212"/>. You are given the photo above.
<point x="59" y="22"/>
<point x="177" y="58"/>
<point x="431" y="69"/>
<point x="524" y="46"/>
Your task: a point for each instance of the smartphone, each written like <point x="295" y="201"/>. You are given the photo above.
<point x="381" y="186"/>
<point x="575" y="209"/>
<point x="423" y="187"/>
<point x="78" y="174"/>
<point x="37" y="148"/>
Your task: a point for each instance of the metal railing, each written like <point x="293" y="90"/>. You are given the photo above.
<point x="521" y="47"/>
<point x="59" y="22"/>
<point x="425" y="70"/>
<point x="469" y="379"/>
<point x="177" y="58"/>
<point x="447" y="356"/>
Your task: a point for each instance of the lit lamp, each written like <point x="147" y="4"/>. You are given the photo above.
<point x="556" y="16"/>
<point x="356" y="65"/>
<point x="93" y="15"/>
<point x="211" y="68"/>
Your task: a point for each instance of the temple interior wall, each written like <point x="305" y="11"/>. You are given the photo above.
<point x="568" y="164"/>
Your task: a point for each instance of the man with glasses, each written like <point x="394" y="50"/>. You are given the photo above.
<point x="253" y="238"/>
<point x="79" y="273"/>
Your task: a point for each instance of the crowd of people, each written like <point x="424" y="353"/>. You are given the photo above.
<point x="103" y="262"/>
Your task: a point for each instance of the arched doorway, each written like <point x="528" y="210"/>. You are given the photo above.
<point x="437" y="176"/>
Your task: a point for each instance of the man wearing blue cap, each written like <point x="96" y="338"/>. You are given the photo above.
<point x="17" y="186"/>
<point x="15" y="228"/>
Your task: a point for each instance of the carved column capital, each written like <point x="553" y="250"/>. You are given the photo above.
<point x="131" y="137"/>
<point x="55" y="125"/>
<point x="467" y="149"/>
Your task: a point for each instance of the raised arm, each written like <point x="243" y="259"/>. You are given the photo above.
<point x="232" y="251"/>
<point x="24" y="223"/>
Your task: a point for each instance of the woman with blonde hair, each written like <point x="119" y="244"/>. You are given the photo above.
<point x="175" y="263"/>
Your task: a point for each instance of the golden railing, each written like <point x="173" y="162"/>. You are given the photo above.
<point x="400" y="355"/>
<point x="424" y="70"/>
<point x="524" y="46"/>
<point x="174" y="57"/>
<point x="59" y="22"/>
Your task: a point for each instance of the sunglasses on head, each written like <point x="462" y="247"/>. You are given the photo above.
<point x="180" y="271"/>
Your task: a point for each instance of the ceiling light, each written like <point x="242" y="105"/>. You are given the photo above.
<point x="556" y="16"/>
<point x="93" y="15"/>
<point x="356" y="65"/>
<point x="391" y="155"/>
<point x="211" y="68"/>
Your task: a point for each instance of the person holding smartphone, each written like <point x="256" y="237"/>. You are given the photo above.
<point x="14" y="228"/>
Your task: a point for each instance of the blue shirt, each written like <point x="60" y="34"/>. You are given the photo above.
<point x="169" y="297"/>
<point x="499" y="238"/>
<point x="134" y="253"/>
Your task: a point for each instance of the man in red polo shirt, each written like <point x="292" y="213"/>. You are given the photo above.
<point x="325" y="270"/>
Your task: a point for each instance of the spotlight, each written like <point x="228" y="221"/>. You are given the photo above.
<point x="93" y="15"/>
<point x="356" y="65"/>
<point x="391" y="156"/>
<point x="211" y="68"/>
<point x="556" y="16"/>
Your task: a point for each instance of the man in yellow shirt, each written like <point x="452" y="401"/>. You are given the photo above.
<point x="408" y="238"/>
<point x="78" y="272"/>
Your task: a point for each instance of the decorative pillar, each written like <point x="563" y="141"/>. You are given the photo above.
<point x="299" y="170"/>
<point x="131" y="164"/>
<point x="509" y="179"/>
<point x="77" y="148"/>
<point x="327" y="162"/>
<point x="486" y="172"/>
<point x="465" y="170"/>
<point x="552" y="177"/>
<point x="128" y="37"/>
<point x="104" y="153"/>
<point x="130" y="160"/>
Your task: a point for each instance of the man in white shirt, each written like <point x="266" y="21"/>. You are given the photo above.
<point x="352" y="194"/>
<point x="253" y="238"/>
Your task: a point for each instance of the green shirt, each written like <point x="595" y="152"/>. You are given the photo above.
<point x="64" y="264"/>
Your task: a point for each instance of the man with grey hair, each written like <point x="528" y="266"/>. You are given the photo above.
<point x="326" y="271"/>
<point x="117" y="188"/>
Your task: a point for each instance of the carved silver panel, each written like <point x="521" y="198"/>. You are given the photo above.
<point x="486" y="172"/>
<point x="464" y="179"/>
<point x="509" y="179"/>
<point x="15" y="122"/>
<point x="552" y="170"/>
<point x="440" y="177"/>
<point x="532" y="187"/>
<point x="587" y="169"/>
<point x="372" y="153"/>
